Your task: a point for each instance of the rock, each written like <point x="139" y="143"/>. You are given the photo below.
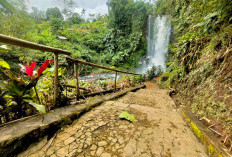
<point x="64" y="136"/>
<point x="106" y="155"/>
<point x="93" y="147"/>
<point x="88" y="141"/>
<point x="83" y="136"/>
<point x="92" y="153"/>
<point x="120" y="140"/>
<point x="117" y="146"/>
<point x="88" y="134"/>
<point x="99" y="151"/>
<point x="101" y="123"/>
<point x="69" y="140"/>
<point x="102" y="143"/>
<point x="50" y="152"/>
<point x="61" y="152"/>
<point x="114" y="140"/>
<point x="53" y="155"/>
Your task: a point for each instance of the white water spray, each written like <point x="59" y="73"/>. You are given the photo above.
<point x="158" y="35"/>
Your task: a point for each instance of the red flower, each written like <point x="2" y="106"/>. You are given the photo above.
<point x="44" y="66"/>
<point x="29" y="69"/>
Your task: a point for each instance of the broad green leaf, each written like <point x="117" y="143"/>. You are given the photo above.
<point x="4" y="64"/>
<point x="127" y="116"/>
<point x="4" y="47"/>
<point x="40" y="108"/>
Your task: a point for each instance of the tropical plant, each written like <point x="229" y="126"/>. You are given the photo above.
<point x="20" y="90"/>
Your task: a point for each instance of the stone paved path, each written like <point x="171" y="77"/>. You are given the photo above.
<point x="158" y="131"/>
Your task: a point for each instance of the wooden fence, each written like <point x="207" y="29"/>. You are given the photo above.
<point x="26" y="44"/>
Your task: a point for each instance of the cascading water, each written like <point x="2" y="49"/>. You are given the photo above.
<point x="158" y="35"/>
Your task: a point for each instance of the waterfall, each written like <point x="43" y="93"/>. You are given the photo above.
<point x="158" y="34"/>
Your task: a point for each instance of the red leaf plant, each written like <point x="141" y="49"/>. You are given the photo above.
<point x="44" y="66"/>
<point x="30" y="68"/>
<point x="33" y="80"/>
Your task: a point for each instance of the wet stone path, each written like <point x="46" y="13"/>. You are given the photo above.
<point x="157" y="131"/>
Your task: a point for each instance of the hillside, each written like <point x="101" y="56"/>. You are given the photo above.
<point x="200" y="58"/>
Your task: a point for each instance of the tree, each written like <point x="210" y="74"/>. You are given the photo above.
<point x="69" y="6"/>
<point x="56" y="23"/>
<point x="75" y="19"/>
<point x="83" y="13"/>
<point x="119" y="15"/>
<point x="53" y="13"/>
<point x="6" y="7"/>
<point x="37" y="14"/>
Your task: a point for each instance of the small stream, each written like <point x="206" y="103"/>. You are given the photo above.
<point x="102" y="76"/>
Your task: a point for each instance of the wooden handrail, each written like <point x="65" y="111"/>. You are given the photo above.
<point x="98" y="66"/>
<point x="27" y="44"/>
<point x="56" y="51"/>
<point x="31" y="45"/>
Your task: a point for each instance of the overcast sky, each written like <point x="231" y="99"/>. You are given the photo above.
<point x="91" y="6"/>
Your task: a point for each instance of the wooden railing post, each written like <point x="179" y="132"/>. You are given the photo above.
<point x="56" y="77"/>
<point x="115" y="83"/>
<point x="77" y="79"/>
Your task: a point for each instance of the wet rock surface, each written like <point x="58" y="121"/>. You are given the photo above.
<point x="157" y="131"/>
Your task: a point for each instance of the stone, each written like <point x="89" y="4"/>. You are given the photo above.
<point x="88" y="142"/>
<point x="92" y="153"/>
<point x="69" y="140"/>
<point x="120" y="140"/>
<point x="64" y="136"/>
<point x="114" y="140"/>
<point x="102" y="143"/>
<point x="83" y="136"/>
<point x="117" y="146"/>
<point x="88" y="134"/>
<point x="61" y="152"/>
<point x="106" y="155"/>
<point x="50" y="151"/>
<point x="79" y="150"/>
<point x="93" y="147"/>
<point x="99" y="151"/>
<point x="53" y="155"/>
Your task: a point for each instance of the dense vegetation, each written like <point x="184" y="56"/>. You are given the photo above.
<point x="200" y="58"/>
<point x="114" y="40"/>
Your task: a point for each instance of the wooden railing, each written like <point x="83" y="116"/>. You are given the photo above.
<point x="76" y="64"/>
<point x="26" y="44"/>
<point x="23" y="43"/>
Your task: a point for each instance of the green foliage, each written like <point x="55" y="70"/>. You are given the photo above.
<point x="75" y="19"/>
<point x="139" y="79"/>
<point x="40" y="108"/>
<point x="54" y="13"/>
<point x="154" y="71"/>
<point x="127" y="20"/>
<point x="200" y="28"/>
<point x="4" y="64"/>
<point x="127" y="116"/>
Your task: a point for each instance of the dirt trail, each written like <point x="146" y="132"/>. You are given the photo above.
<point x="158" y="131"/>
